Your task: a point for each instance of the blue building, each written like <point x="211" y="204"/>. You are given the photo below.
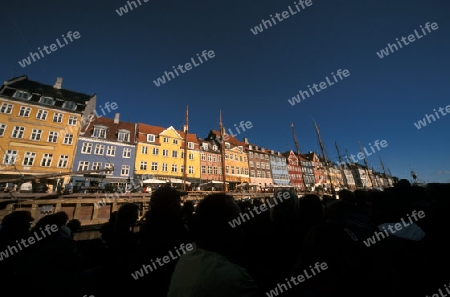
<point x="278" y="165"/>
<point x="105" y="144"/>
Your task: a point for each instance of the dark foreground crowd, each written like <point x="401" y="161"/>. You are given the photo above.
<point x="256" y="258"/>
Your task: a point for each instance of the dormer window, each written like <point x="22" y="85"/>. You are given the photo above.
<point x="123" y="136"/>
<point x="47" y="100"/>
<point x="190" y="145"/>
<point x="150" y="138"/>
<point x="240" y="148"/>
<point x="69" y="105"/>
<point x="99" y="131"/>
<point x="205" y="146"/>
<point x="22" y="95"/>
<point x="215" y="147"/>
<point x="227" y="145"/>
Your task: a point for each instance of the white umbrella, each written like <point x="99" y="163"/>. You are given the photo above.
<point x="178" y="181"/>
<point x="153" y="181"/>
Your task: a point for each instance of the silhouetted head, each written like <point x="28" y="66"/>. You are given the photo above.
<point x="310" y="207"/>
<point x="127" y="215"/>
<point x="212" y="227"/>
<point x="61" y="217"/>
<point x="165" y="202"/>
<point x="346" y="195"/>
<point x="17" y="223"/>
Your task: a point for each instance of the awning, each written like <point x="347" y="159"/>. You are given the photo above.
<point x="178" y="181"/>
<point x="154" y="181"/>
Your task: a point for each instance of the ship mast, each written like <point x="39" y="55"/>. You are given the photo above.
<point x="365" y="163"/>
<point x="384" y="170"/>
<point x="325" y="158"/>
<point x="222" y="144"/>
<point x="298" y="157"/>
<point x="340" y="165"/>
<point x="186" y="128"/>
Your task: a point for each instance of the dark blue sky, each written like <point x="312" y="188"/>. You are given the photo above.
<point x="252" y="76"/>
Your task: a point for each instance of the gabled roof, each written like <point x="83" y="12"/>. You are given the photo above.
<point x="112" y="128"/>
<point x="213" y="134"/>
<point x="38" y="89"/>
<point x="145" y="129"/>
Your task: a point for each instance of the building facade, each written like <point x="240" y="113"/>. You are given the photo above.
<point x="278" y="166"/>
<point x="210" y="165"/>
<point x="307" y="172"/>
<point x="39" y="128"/>
<point x="294" y="170"/>
<point x="259" y="166"/>
<point x="106" y="143"/>
<point x="160" y="155"/>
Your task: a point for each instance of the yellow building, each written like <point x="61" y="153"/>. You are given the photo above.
<point x="236" y="160"/>
<point x="160" y="155"/>
<point x="39" y="127"/>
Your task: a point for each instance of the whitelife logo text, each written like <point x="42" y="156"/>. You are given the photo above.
<point x="33" y="56"/>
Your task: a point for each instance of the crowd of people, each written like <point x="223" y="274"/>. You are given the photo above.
<point x="258" y="257"/>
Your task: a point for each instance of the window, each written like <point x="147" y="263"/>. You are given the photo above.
<point x="46" y="160"/>
<point x="174" y="168"/>
<point x="22" y="95"/>
<point x="63" y="160"/>
<point x="257" y="165"/>
<point x="237" y="170"/>
<point x="86" y="148"/>
<point x="258" y="173"/>
<point x="209" y="169"/>
<point x="165" y="153"/>
<point x="214" y="158"/>
<point x="227" y="169"/>
<point x="99" y="132"/>
<point x="203" y="156"/>
<point x="36" y="134"/>
<point x="150" y="138"/>
<point x="191" y="156"/>
<point x="203" y="169"/>
<point x="181" y="168"/>
<point x="6" y="108"/>
<point x="111" y="150"/>
<point x="175" y="141"/>
<point x="236" y="157"/>
<point x="232" y="169"/>
<point x="182" y="155"/>
<point x="99" y="149"/>
<point x="28" y="159"/>
<point x="165" y="139"/>
<point x="164" y="167"/>
<point x="83" y="165"/>
<point x="251" y="164"/>
<point x="240" y="158"/>
<point x="24" y="111"/>
<point x="209" y="157"/>
<point x="109" y="166"/>
<point x="123" y="136"/>
<point x="18" y="132"/>
<point x="125" y="171"/>
<point x="268" y="174"/>
<point x="52" y="136"/>
<point x="72" y="121"/>
<point x="144" y="150"/>
<point x="245" y="159"/>
<point x="126" y="153"/>
<point x="41" y="115"/>
<point x="250" y="154"/>
<point x="215" y="147"/>
<point x="174" y="154"/>
<point x="226" y="156"/>
<point x="190" y="145"/>
<point x="143" y="165"/>
<point x="155" y="151"/>
<point x="2" y="129"/>
<point x="47" y="100"/>
<point x="10" y="157"/>
<point x="227" y="145"/>
<point x="57" y="117"/>
<point x="154" y="166"/>
<point x="191" y="169"/>
<point x="215" y="169"/>
<point x="69" y="105"/>
<point x="205" y="146"/>
<point x="267" y="157"/>
<point x="252" y="173"/>
<point x="68" y="139"/>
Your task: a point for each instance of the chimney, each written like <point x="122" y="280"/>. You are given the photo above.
<point x="58" y="83"/>
<point x="116" y="118"/>
<point x="245" y="140"/>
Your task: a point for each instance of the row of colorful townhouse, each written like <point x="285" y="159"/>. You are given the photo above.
<point x="47" y="131"/>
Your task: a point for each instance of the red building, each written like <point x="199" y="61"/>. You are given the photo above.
<point x="294" y="171"/>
